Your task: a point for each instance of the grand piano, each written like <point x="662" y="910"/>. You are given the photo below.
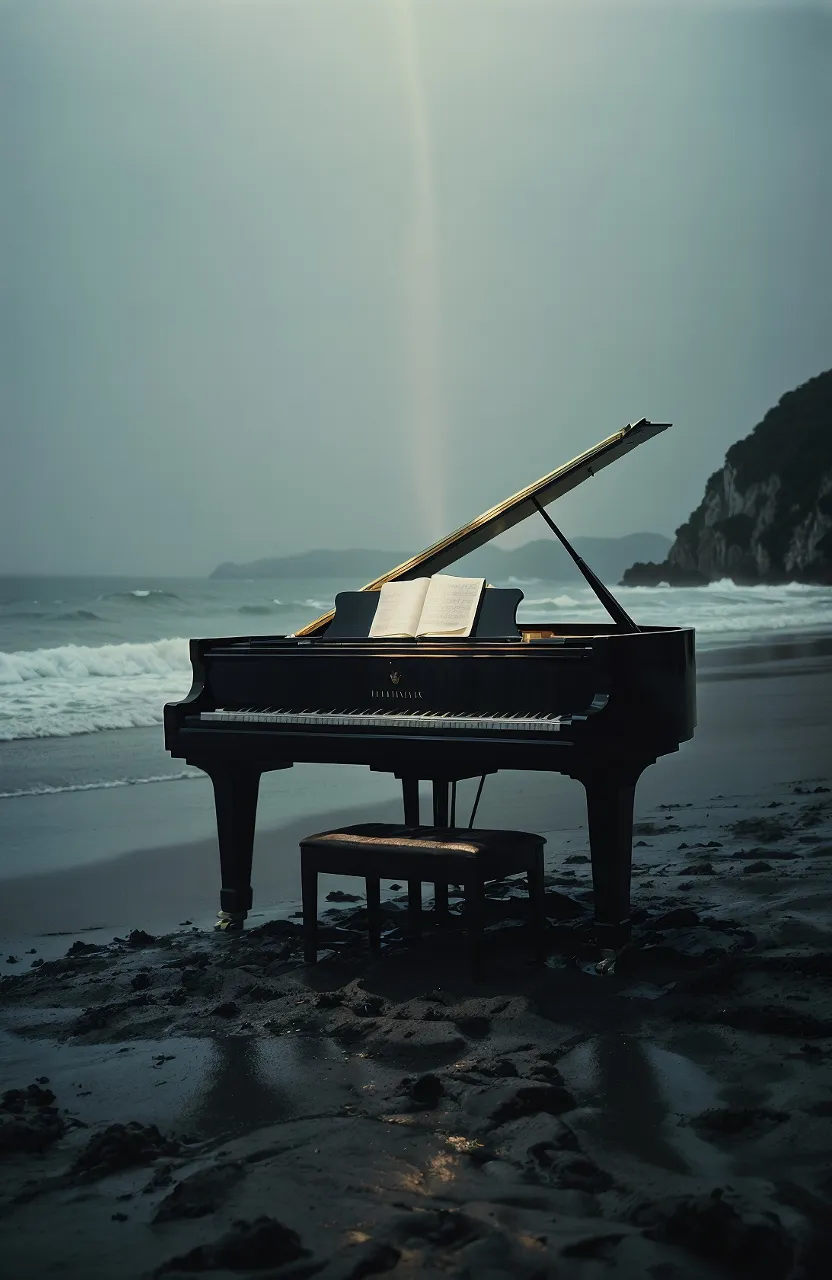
<point x="598" y="702"/>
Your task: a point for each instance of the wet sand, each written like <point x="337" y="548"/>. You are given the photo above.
<point x="220" y="1106"/>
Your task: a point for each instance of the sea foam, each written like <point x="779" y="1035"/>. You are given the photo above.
<point x="49" y="693"/>
<point x="47" y="789"/>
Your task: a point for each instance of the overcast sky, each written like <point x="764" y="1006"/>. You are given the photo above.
<point x="301" y="273"/>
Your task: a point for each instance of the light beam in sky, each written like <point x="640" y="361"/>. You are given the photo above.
<point x="425" y="421"/>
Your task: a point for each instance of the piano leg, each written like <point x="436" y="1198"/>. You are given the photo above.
<point x="440" y="819"/>
<point x="235" y="799"/>
<point x="609" y="800"/>
<point x="475" y="921"/>
<point x="410" y="797"/>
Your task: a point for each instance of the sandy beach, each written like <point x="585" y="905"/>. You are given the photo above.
<point x="179" y="1102"/>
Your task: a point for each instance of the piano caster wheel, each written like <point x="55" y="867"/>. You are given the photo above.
<point x="230" y="922"/>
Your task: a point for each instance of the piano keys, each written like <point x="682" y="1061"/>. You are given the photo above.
<point x="387" y="721"/>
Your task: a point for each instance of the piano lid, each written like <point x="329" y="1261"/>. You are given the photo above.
<point x="509" y="512"/>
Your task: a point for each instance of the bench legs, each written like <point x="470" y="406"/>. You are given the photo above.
<point x="475" y="922"/>
<point x="374" y="912"/>
<point x="537" y="908"/>
<point x="414" y="908"/>
<point x="442" y="913"/>
<point x="309" y="896"/>
<point x="474" y="888"/>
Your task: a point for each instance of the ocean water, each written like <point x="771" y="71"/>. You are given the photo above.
<point x="82" y="656"/>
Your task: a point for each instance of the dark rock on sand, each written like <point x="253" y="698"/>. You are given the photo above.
<point x="445" y="1228"/>
<point x="569" y="1170"/>
<point x="474" y="1027"/>
<point x="509" y="1102"/>
<point x="84" y="949"/>
<point x="369" y="1259"/>
<point x="257" y="991"/>
<point x="201" y="1193"/>
<point x="728" y="1121"/>
<point x="782" y="855"/>
<point x="28" y="1121"/>
<point x="138" y="938"/>
<point x="228" y="1009"/>
<point x="92" y="1019"/>
<point x="121" y="1146"/>
<point x="424" y="1092"/>
<point x="501" y="1069"/>
<point x="369" y="1007"/>
<point x="767" y="830"/>
<point x="248" y="1246"/>
<point x="715" y="1227"/>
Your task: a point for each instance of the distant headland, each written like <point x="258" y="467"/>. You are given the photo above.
<point x="766" y="516"/>
<point x="544" y="559"/>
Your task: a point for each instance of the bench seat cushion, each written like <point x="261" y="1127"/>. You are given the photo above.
<point x="381" y="836"/>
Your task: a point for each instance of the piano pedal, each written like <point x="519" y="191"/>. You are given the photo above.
<point x="230" y="921"/>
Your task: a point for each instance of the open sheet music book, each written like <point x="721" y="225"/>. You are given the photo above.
<point x="438" y="606"/>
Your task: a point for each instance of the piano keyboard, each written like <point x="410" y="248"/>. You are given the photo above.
<point x="530" y="720"/>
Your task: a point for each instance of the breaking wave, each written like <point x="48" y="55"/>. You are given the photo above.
<point x="143" y="595"/>
<point x="56" y="693"/>
<point x="720" y="612"/>
<point x="46" y="789"/>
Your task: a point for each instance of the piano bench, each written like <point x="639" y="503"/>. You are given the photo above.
<point x="443" y="855"/>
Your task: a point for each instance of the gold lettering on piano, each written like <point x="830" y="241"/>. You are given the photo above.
<point x="395" y="677"/>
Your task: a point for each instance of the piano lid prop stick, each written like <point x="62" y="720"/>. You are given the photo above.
<point x="608" y="600"/>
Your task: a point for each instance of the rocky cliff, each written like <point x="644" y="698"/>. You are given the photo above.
<point x="766" y="515"/>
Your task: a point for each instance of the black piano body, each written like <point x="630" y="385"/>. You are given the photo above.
<point x="584" y="701"/>
<point x="596" y="702"/>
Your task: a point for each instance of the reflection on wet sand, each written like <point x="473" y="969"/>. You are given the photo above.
<point x="251" y="1082"/>
<point x="640" y="1096"/>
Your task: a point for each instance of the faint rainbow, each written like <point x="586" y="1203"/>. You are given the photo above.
<point x="425" y="410"/>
